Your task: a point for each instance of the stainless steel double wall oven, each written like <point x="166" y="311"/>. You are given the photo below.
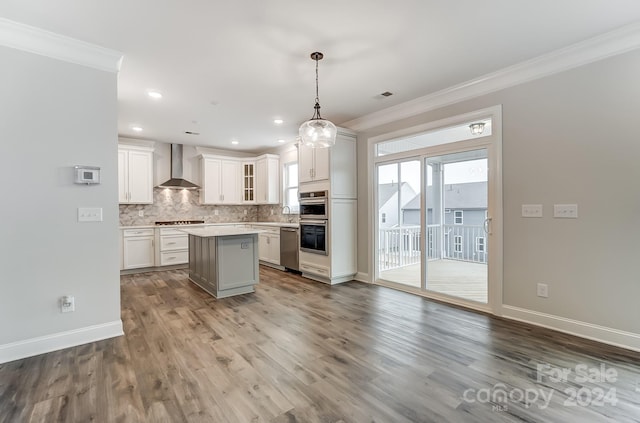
<point x="314" y="219"/>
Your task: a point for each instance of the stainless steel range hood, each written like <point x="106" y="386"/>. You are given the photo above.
<point x="177" y="181"/>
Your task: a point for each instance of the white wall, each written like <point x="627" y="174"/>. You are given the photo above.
<point x="568" y="138"/>
<point x="54" y="115"/>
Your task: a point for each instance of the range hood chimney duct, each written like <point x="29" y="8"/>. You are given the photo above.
<point x="177" y="181"/>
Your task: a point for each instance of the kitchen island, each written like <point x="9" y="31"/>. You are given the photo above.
<point x="223" y="261"/>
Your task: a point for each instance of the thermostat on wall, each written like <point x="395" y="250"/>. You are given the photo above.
<point x="87" y="175"/>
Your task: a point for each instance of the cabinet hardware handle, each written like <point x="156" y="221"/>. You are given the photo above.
<point x="170" y="243"/>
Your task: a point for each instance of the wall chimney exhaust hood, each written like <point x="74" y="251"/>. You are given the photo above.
<point x="177" y="181"/>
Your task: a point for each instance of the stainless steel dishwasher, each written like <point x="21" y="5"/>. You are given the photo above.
<point x="289" y="245"/>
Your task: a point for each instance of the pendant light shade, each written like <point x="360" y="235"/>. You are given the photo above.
<point x="317" y="132"/>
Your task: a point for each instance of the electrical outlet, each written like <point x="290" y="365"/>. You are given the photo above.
<point x="271" y="212"/>
<point x="543" y="290"/>
<point x="216" y="212"/>
<point x="140" y="213"/>
<point x="245" y="212"/>
<point x="67" y="304"/>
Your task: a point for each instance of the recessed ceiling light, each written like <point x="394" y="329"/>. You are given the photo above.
<point x="136" y="128"/>
<point x="278" y="121"/>
<point x="281" y="141"/>
<point x="154" y="94"/>
<point x="234" y="142"/>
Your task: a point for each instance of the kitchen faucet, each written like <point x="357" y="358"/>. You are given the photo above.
<point x="288" y="212"/>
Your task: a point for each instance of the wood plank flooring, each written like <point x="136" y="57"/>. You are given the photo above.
<point x="300" y="351"/>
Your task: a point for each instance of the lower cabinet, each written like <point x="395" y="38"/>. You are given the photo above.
<point x="138" y="248"/>
<point x="167" y="246"/>
<point x="174" y="247"/>
<point x="269" y="244"/>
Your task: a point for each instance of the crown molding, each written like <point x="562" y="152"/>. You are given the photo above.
<point x="45" y="43"/>
<point x="612" y="43"/>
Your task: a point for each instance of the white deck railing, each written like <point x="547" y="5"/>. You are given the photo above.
<point x="401" y="246"/>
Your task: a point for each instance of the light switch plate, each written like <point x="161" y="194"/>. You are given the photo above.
<point x="90" y="214"/>
<point x="565" y="211"/>
<point x="532" y="210"/>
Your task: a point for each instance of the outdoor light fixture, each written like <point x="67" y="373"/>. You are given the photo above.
<point x="317" y="132"/>
<point x="477" y="128"/>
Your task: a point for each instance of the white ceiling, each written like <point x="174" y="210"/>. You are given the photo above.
<point x="227" y="69"/>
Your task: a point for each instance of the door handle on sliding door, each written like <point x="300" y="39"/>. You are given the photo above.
<point x="487" y="226"/>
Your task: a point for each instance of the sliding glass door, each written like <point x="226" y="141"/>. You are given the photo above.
<point x="434" y="222"/>
<point x="457" y="243"/>
<point x="399" y="222"/>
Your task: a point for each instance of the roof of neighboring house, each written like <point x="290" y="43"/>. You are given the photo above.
<point x="470" y="195"/>
<point x="386" y="191"/>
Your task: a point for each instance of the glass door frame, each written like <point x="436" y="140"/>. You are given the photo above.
<point x="493" y="144"/>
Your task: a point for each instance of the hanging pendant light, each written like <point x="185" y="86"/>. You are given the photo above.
<point x="317" y="132"/>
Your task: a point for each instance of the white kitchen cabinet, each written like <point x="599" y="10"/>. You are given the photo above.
<point x="249" y="182"/>
<point x="138" y="248"/>
<point x="313" y="164"/>
<point x="135" y="175"/>
<point x="269" y="244"/>
<point x="332" y="168"/>
<point x="174" y="247"/>
<point x="268" y="179"/>
<point x="221" y="180"/>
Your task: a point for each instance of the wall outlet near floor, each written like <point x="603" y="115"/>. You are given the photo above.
<point x="67" y="304"/>
<point x="543" y="290"/>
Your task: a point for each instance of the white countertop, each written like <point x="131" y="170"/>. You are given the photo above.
<point x="213" y="231"/>
<point x="277" y="224"/>
<point x="201" y="225"/>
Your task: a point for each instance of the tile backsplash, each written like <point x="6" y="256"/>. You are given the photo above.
<point x="273" y="213"/>
<point x="169" y="204"/>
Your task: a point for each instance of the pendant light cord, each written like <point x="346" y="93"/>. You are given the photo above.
<point x="317" y="96"/>
<point x="316" y="113"/>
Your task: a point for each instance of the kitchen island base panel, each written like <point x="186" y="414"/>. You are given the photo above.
<point x="227" y="292"/>
<point x="224" y="265"/>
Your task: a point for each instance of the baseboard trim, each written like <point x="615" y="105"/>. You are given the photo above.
<point x="362" y="277"/>
<point x="57" y="341"/>
<point x="606" y="335"/>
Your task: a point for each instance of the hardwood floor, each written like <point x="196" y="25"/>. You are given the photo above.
<point x="300" y="351"/>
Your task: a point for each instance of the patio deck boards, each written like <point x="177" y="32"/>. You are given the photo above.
<point x="451" y="277"/>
